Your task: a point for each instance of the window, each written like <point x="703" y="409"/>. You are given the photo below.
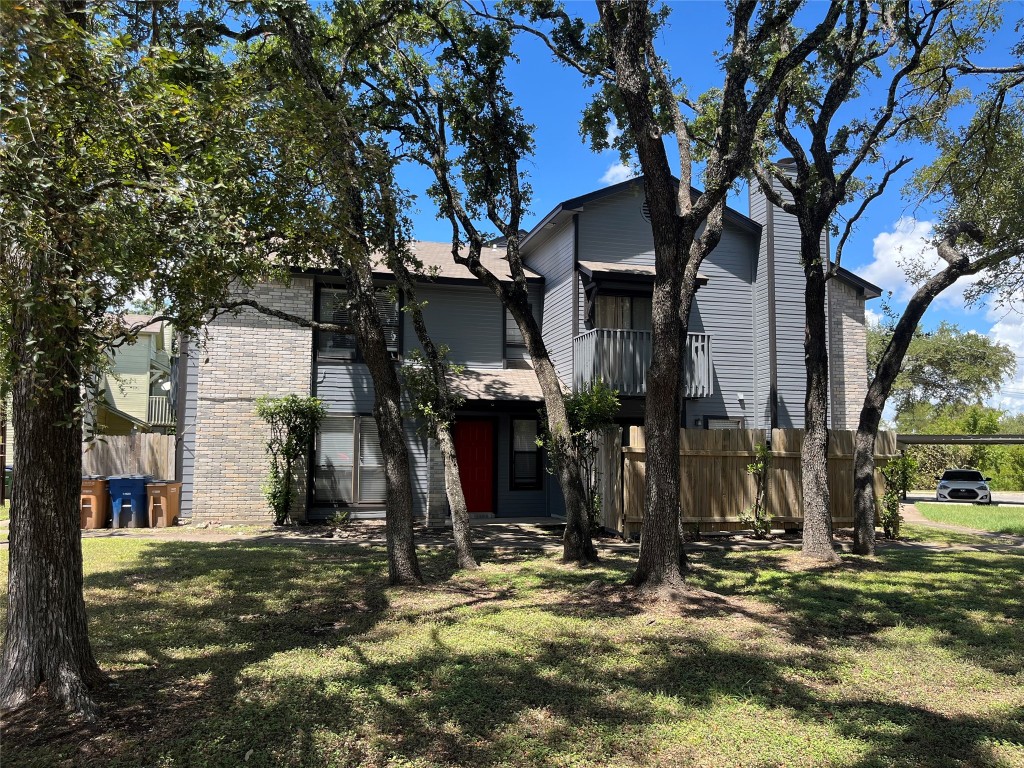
<point x="723" y="422"/>
<point x="334" y="309"/>
<point x="513" y="336"/>
<point x="526" y="456"/>
<point x="349" y="461"/>
<point x="623" y="312"/>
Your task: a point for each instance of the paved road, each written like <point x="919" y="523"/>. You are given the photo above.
<point x="999" y="497"/>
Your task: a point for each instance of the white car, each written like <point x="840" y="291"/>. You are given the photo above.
<point x="963" y="485"/>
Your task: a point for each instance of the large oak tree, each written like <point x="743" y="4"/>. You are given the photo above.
<point x="636" y="89"/>
<point x="111" y="184"/>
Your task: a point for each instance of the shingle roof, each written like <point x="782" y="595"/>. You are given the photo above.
<point x="630" y="270"/>
<point x="438" y="262"/>
<point x="131" y="319"/>
<point x="437" y="259"/>
<point x="518" y="384"/>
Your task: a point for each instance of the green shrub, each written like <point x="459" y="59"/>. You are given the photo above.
<point x="293" y="422"/>
<point x="591" y="412"/>
<point x="757" y="515"/>
<point x="899" y="473"/>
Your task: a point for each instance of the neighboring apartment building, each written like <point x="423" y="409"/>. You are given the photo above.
<point x="590" y="274"/>
<point x="135" y="392"/>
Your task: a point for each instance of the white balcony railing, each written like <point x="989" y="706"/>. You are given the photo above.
<point x="622" y="356"/>
<point x="160" y="414"/>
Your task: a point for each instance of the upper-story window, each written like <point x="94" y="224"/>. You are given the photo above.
<point x="513" y="336"/>
<point x="629" y="312"/>
<point x="334" y="309"/>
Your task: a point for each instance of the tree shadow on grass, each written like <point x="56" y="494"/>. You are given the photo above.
<point x="971" y="599"/>
<point x="304" y="656"/>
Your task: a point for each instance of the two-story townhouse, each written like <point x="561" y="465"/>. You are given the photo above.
<point x="590" y="263"/>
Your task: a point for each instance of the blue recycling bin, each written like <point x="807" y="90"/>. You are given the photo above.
<point x="128" y="500"/>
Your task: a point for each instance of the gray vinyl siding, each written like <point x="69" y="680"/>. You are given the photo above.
<point x="614" y="229"/>
<point x="468" y="319"/>
<point x="789" y="321"/>
<point x="187" y="431"/>
<point x="344" y="387"/>
<point x="554" y="259"/>
<point x="761" y="319"/>
<point x="514" y="354"/>
<point x="417" y="467"/>
<point x="724" y="309"/>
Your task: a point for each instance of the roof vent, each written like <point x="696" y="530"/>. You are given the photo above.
<point x="645" y="211"/>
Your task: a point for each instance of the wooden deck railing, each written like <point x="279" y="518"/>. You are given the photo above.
<point x="622" y="356"/>
<point x="160" y="413"/>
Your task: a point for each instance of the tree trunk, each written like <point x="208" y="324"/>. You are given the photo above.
<point x="577" y="544"/>
<point x="403" y="567"/>
<point x="863" y="482"/>
<point x="47" y="638"/>
<point x="888" y="369"/>
<point x="817" y="541"/>
<point x="661" y="560"/>
<point x="456" y="499"/>
<point x="443" y="416"/>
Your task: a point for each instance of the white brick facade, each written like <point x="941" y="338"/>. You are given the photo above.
<point x="848" y="355"/>
<point x="245" y="356"/>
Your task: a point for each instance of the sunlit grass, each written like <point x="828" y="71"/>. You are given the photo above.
<point x="301" y="655"/>
<point x="995" y="518"/>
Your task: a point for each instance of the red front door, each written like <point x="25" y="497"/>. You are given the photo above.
<point x="474" y="448"/>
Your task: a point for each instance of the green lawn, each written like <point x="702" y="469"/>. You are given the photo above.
<point x="995" y="518"/>
<point x="272" y="655"/>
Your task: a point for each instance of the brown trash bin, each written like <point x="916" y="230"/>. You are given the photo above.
<point x="164" y="504"/>
<point x="95" y="504"/>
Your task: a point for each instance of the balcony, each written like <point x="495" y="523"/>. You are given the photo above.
<point x="160" y="413"/>
<point x="621" y="357"/>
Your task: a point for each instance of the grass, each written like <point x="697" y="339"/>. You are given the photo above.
<point x="995" y="518"/>
<point x="261" y="654"/>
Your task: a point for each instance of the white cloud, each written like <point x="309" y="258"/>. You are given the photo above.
<point x="1008" y="328"/>
<point x="617" y="172"/>
<point x="907" y="248"/>
<point x="613" y="131"/>
<point x="872" y="317"/>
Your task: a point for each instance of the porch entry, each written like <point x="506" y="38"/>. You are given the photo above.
<point x="474" y="449"/>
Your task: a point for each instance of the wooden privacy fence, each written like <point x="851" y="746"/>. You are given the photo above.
<point x="715" y="487"/>
<point x="139" y="454"/>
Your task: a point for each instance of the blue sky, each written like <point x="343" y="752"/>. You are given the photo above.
<point x="563" y="166"/>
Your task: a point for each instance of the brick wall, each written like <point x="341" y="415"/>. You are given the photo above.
<point x="245" y="356"/>
<point x="847" y="354"/>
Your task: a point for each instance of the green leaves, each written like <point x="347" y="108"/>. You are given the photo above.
<point x="114" y="174"/>
<point x="947" y="366"/>
<point x="293" y="422"/>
